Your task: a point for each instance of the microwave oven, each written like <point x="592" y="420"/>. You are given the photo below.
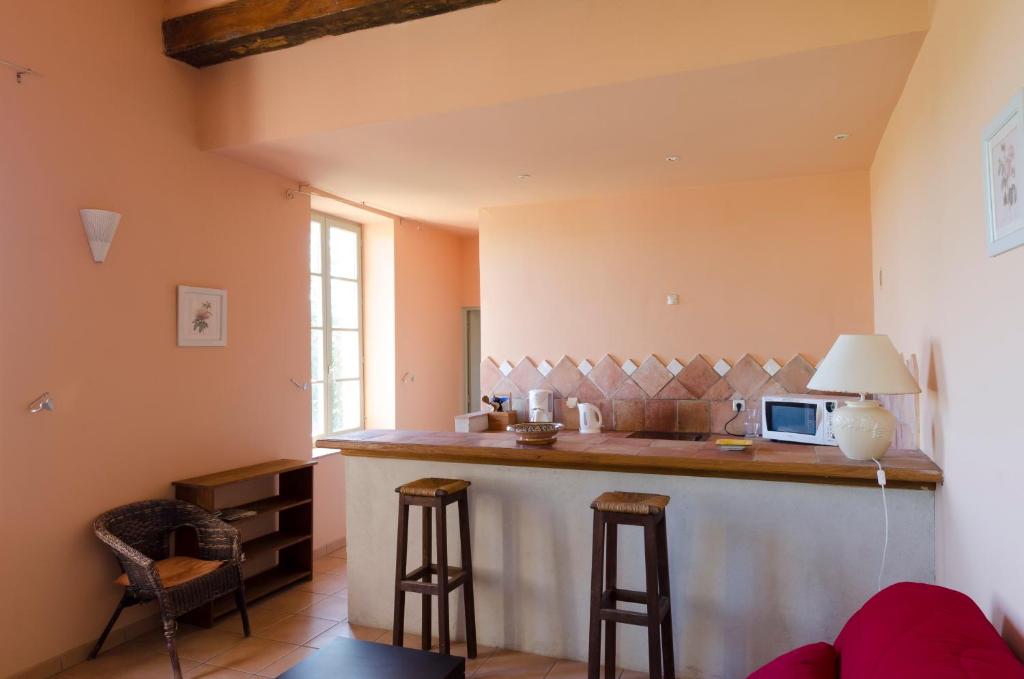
<point x="799" y="418"/>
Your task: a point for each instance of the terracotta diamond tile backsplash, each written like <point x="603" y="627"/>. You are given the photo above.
<point x="608" y="375"/>
<point x="746" y="376"/>
<point x="698" y="376"/>
<point x="651" y="376"/>
<point x="794" y="375"/>
<point x="695" y="400"/>
<point x="565" y="377"/>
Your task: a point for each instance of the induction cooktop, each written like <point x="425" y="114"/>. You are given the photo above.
<point x="670" y="435"/>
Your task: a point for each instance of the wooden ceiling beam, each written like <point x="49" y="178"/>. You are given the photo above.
<point x="245" y="27"/>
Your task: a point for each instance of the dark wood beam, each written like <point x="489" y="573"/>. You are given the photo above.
<point x="245" y="27"/>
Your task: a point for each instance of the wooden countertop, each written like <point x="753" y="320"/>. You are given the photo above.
<point x="613" y="452"/>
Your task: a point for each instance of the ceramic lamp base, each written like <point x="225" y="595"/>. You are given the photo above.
<point x="863" y="429"/>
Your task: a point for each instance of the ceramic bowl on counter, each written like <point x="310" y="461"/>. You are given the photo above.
<point x="536" y="433"/>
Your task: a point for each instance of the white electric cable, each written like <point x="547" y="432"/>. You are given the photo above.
<point x="885" y="510"/>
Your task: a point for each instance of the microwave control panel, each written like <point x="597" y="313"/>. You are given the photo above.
<point x="830" y="409"/>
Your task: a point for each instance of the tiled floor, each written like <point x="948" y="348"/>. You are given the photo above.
<point x="288" y="627"/>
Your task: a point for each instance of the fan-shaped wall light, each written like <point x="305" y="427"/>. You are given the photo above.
<point x="100" y="226"/>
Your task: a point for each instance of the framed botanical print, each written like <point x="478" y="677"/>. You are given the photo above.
<point x="202" y="317"/>
<point x="1002" y="142"/>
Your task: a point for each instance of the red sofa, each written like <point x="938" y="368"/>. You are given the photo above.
<point x="907" y="631"/>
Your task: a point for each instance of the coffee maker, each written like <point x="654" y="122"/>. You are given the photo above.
<point x="541" y="406"/>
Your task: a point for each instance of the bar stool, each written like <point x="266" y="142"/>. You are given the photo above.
<point x="634" y="509"/>
<point x="434" y="494"/>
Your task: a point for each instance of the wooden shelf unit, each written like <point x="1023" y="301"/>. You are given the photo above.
<point x="291" y="543"/>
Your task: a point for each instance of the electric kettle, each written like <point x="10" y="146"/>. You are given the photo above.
<point x="590" y="419"/>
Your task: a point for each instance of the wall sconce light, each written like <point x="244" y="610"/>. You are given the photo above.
<point x="100" y="227"/>
<point x="44" y="402"/>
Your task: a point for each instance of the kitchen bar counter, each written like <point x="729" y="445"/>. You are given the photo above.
<point x="768" y="550"/>
<point x="614" y="452"/>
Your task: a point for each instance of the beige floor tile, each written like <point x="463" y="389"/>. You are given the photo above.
<point x="344" y="629"/>
<point x="252" y="654"/>
<point x="297" y="629"/>
<point x="321" y="640"/>
<point x="514" y="665"/>
<point x="259" y="618"/>
<point x="473" y="664"/>
<point x="202" y="644"/>
<point x="115" y="660"/>
<point x="633" y="674"/>
<point x="325" y="583"/>
<point x="328" y="564"/>
<point x="334" y="607"/>
<point x="291" y="600"/>
<point x="287" y="662"/>
<point x="213" y="672"/>
<point x="571" y="669"/>
<point x="128" y="666"/>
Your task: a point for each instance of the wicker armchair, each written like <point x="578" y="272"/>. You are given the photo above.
<point x="139" y="534"/>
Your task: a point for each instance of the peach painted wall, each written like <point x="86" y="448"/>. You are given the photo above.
<point x="471" y="270"/>
<point x="111" y="124"/>
<point x="946" y="301"/>
<point x="773" y="268"/>
<point x="174" y="8"/>
<point x="429" y="284"/>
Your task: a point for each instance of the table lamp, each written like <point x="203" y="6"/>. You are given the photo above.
<point x="863" y="364"/>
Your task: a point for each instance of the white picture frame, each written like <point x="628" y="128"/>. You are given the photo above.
<point x="1002" y="150"/>
<point x="202" y="317"/>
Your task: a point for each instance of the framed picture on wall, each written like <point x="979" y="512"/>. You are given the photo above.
<point x="202" y="317"/>
<point x="1002" y="142"/>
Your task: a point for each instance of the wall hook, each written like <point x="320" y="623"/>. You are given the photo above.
<point x="304" y="386"/>
<point x="44" y="402"/>
<point x="19" y="71"/>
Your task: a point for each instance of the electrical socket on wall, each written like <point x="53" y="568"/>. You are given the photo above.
<point x="738" y="404"/>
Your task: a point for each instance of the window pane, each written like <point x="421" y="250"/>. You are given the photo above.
<point x="318" y="408"/>
<point x="351" y="397"/>
<point x="317" y="355"/>
<point x="315" y="255"/>
<point x="344" y="304"/>
<point x="345" y="408"/>
<point x="344" y="253"/>
<point x="316" y="301"/>
<point x="345" y="347"/>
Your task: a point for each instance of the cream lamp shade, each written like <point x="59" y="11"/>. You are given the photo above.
<point x="863" y="364"/>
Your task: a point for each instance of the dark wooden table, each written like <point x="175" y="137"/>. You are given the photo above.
<point x="346" y="658"/>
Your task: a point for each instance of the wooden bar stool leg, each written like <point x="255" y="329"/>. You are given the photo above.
<point x="426" y="620"/>
<point x="467" y="567"/>
<point x="653" y="603"/>
<point x="611" y="582"/>
<point x="443" y="627"/>
<point x="596" y="571"/>
<point x="667" y="640"/>
<point x="398" y="627"/>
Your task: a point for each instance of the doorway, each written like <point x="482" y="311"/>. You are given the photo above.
<point x="471" y="354"/>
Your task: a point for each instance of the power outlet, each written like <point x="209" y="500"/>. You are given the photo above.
<point x="738" y="404"/>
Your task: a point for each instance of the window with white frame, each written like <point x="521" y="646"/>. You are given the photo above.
<point x="335" y="300"/>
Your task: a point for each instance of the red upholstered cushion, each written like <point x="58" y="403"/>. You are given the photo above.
<point x="912" y="630"/>
<point x="814" y="661"/>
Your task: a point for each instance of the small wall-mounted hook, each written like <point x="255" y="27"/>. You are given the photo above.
<point x="304" y="386"/>
<point x="44" y="402"/>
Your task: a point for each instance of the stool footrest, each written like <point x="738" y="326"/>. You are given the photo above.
<point x="610" y="612"/>
<point x="412" y="581"/>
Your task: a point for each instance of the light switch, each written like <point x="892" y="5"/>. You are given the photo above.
<point x="672" y="299"/>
